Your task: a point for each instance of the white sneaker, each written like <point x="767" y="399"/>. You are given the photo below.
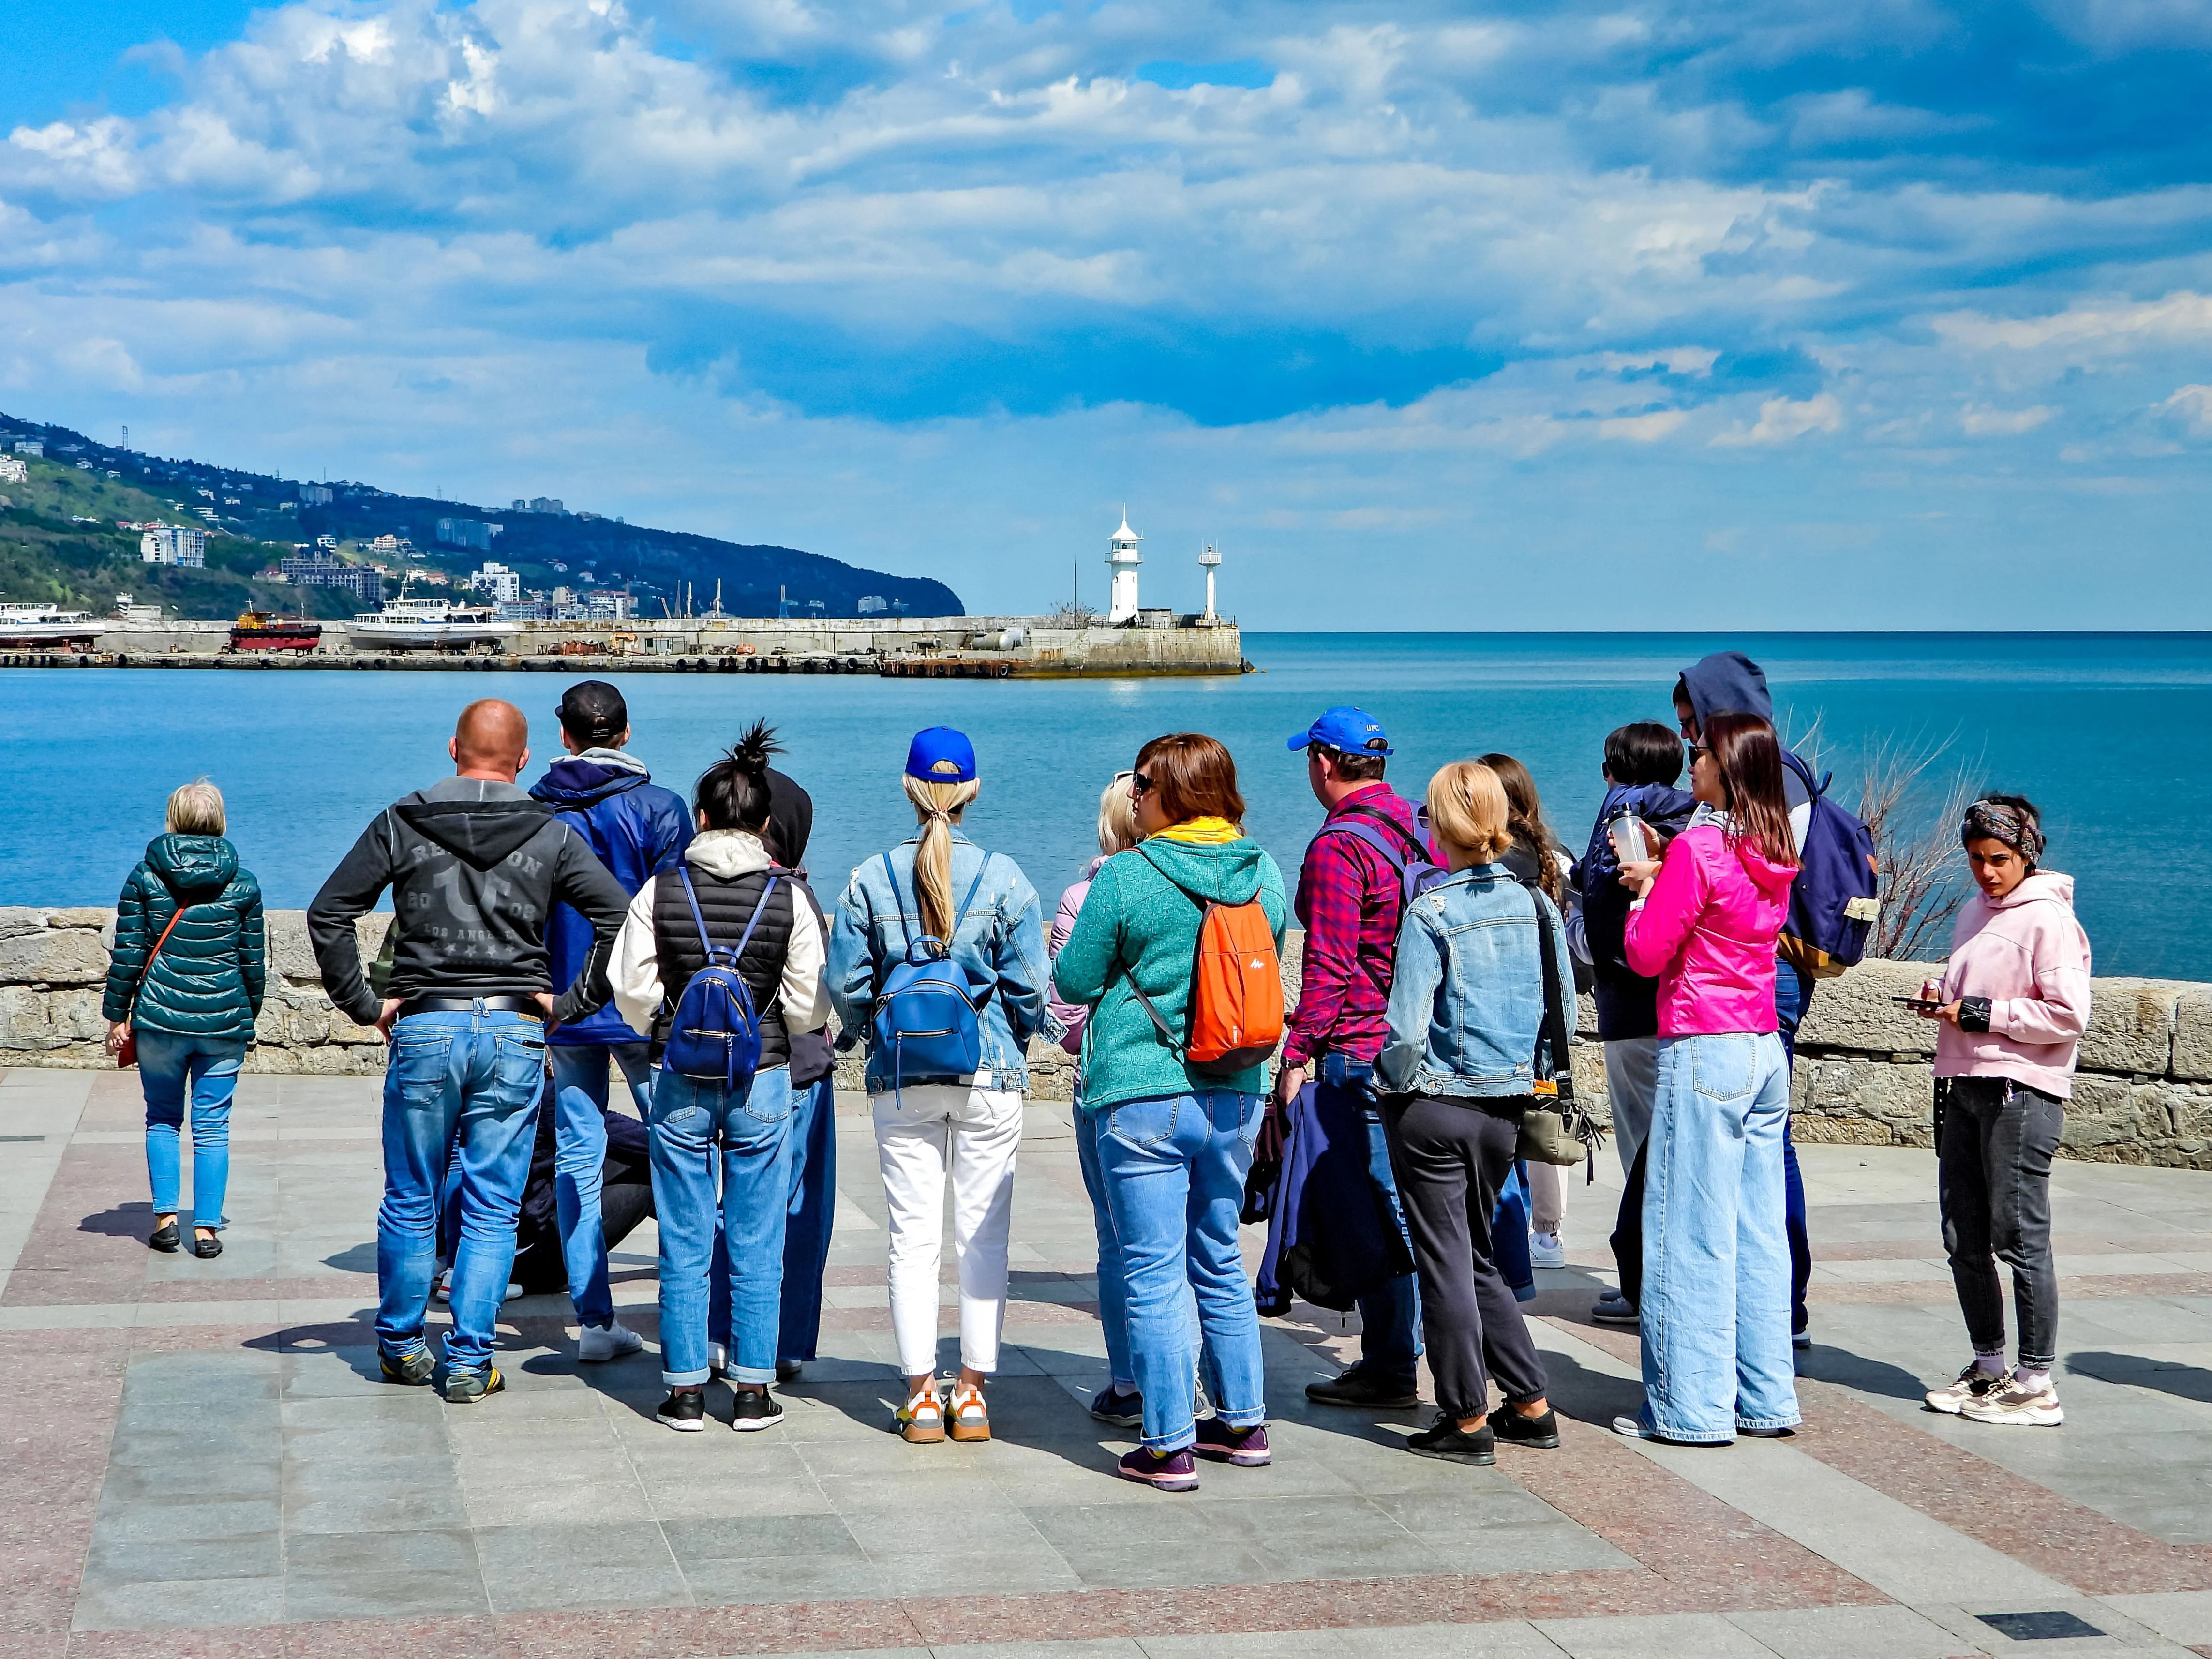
<point x="442" y="1287"/>
<point x="718" y="1358"/>
<point x="2020" y="1407"/>
<point x="1545" y="1250"/>
<point x="594" y="1345"/>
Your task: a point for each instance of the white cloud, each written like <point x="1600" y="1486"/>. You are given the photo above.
<point x="2192" y="405"/>
<point x="1642" y="429"/>
<point x="2181" y="315"/>
<point x="1781" y="420"/>
<point x="1982" y="422"/>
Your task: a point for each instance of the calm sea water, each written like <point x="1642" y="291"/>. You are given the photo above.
<point x="2100" y="730"/>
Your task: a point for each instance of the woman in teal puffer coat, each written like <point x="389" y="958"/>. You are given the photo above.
<point x="192" y="999"/>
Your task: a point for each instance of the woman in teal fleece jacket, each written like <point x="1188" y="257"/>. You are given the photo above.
<point x="1174" y="1146"/>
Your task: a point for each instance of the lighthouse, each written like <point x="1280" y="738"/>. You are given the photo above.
<point x="1123" y="558"/>
<point x="1209" y="561"/>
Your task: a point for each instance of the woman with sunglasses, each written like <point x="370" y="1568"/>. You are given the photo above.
<point x="938" y="885"/>
<point x="1715" y="1294"/>
<point x="1174" y="1145"/>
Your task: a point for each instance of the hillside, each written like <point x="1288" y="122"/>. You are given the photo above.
<point x="59" y="543"/>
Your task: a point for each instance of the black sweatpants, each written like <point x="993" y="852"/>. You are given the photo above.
<point x="1451" y="1156"/>
<point x="1993" y="1180"/>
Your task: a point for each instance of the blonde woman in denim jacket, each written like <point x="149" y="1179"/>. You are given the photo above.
<point x="1467" y="1005"/>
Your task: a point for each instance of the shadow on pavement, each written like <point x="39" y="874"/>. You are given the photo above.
<point x="2166" y="1375"/>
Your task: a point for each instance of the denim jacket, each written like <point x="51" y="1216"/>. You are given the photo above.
<point x="1000" y="941"/>
<point x="1467" y="1000"/>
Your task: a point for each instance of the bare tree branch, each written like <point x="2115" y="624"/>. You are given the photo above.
<point x="1913" y="815"/>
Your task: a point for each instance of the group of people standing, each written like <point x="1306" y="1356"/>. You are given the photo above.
<point x="544" y="938"/>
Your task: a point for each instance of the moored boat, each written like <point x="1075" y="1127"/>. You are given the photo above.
<point x="48" y="627"/>
<point x="265" y="630"/>
<point x="405" y="624"/>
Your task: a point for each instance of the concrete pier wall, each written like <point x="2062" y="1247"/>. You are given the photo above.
<point x="1864" y="1071"/>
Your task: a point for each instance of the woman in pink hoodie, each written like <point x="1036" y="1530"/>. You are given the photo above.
<point x="2015" y="1002"/>
<point x="1716" y="1302"/>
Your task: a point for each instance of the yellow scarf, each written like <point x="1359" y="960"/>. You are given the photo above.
<point x="1202" y="832"/>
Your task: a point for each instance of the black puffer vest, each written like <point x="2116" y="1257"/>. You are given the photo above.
<point x="726" y="907"/>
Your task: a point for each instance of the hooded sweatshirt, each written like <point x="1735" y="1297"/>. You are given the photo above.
<point x="1628" y="1002"/>
<point x="1730" y="683"/>
<point x="208" y="978"/>
<point x="2029" y="956"/>
<point x="802" y="1001"/>
<point x="1139" y="922"/>
<point x="1706" y="929"/>
<point x="634" y="827"/>
<point x="474" y="868"/>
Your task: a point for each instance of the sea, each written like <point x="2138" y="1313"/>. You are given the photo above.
<point x="2098" y="729"/>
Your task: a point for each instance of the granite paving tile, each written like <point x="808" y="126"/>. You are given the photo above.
<point x="313" y="1595"/>
<point x="1707" y="1635"/>
<point x="1848" y="1633"/>
<point x="146" y="1602"/>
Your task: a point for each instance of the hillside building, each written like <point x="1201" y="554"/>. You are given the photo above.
<point x="496" y="583"/>
<point x="168" y="543"/>
<point x="365" y="582"/>
<point x="315" y="494"/>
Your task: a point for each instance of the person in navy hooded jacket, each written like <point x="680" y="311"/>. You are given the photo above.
<point x="638" y="829"/>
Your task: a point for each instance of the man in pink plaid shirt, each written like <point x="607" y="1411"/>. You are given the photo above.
<point x="1348" y="902"/>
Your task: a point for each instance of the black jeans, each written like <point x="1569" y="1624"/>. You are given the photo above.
<point x="1450" y="1156"/>
<point x="1993" y="1181"/>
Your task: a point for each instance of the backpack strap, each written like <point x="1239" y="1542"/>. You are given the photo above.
<point x="1368" y="835"/>
<point x="1167" y="1037"/>
<point x="760" y="906"/>
<point x="691" y="897"/>
<point x="1370" y="817"/>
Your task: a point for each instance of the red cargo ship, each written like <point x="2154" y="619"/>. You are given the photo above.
<point x="265" y="630"/>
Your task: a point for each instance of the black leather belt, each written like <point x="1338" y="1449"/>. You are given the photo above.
<point x="468" y="1005"/>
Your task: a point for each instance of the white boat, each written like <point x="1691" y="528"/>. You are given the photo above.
<point x="34" y="627"/>
<point x="405" y="624"/>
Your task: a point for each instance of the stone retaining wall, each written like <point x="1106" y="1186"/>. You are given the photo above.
<point x="1864" y="1072"/>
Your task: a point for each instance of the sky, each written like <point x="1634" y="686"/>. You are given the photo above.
<point x="1865" y="313"/>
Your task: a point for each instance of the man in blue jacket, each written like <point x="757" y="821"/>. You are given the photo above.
<point x="638" y="829"/>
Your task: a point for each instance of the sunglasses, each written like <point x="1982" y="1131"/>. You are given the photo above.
<point x="1139" y="785"/>
<point x="1698" y="749"/>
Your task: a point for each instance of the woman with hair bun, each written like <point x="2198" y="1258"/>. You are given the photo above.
<point x="726" y="885"/>
<point x="939" y="889"/>
<point x="1716" y="1297"/>
<point x="2014" y="1002"/>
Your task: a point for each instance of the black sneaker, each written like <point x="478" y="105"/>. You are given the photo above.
<point x="469" y="1388"/>
<point x="1444" y="1439"/>
<point x="756" y="1410"/>
<point x="1357" y="1388"/>
<point x="164" y="1239"/>
<point x="1614" y="1310"/>
<point x="788" y="1370"/>
<point x="1123" y="1411"/>
<point x="414" y="1369"/>
<point x="685" y="1409"/>
<point x="1542" y="1432"/>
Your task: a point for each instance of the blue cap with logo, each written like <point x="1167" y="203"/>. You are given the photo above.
<point x="1350" y="731"/>
<point x="941" y="755"/>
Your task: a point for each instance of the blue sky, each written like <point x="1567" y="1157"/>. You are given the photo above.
<point x="1512" y="317"/>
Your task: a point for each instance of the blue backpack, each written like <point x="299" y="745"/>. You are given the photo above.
<point x="715" y="1036"/>
<point x="1416" y="874"/>
<point x="925" y="1015"/>
<point x="1833" y="901"/>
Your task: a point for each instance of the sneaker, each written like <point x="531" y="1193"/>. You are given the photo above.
<point x="2017" y="1407"/>
<point x="1541" y="1432"/>
<point x="971" y="1418"/>
<point x="1200" y="1406"/>
<point x="1177" y="1471"/>
<point x="1246" y="1447"/>
<point x="1776" y="1433"/>
<point x="718" y="1359"/>
<point x="789" y="1371"/>
<point x="469" y="1388"/>
<point x="921" y="1419"/>
<point x="1445" y="1439"/>
<point x="1802" y="1340"/>
<point x="442" y="1287"/>
<point x="1545" y="1250"/>
<point x="1356" y="1387"/>
<point x="164" y="1238"/>
<point x="1123" y="1411"/>
<point x="684" y="1410"/>
<point x="1614" y="1310"/>
<point x="413" y="1369"/>
<point x="595" y="1343"/>
<point x="757" y="1410"/>
<point x="1973" y="1384"/>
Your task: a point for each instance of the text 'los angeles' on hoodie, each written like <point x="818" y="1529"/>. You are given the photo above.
<point x="474" y="868"/>
<point x="1706" y="929"/>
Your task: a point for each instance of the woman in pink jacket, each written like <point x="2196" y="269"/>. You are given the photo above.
<point x="1716" y="1302"/>
<point x="2015" y="1002"/>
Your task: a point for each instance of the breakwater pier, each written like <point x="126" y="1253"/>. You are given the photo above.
<point x="924" y="647"/>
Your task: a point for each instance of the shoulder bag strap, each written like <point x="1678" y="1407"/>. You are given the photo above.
<point x="1555" y="1021"/>
<point x="176" y="916"/>
<point x="706" y="944"/>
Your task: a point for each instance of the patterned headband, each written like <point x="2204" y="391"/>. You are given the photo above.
<point x="1993" y="820"/>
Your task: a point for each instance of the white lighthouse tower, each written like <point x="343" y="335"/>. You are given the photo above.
<point x="1209" y="561"/>
<point x="1122" y="558"/>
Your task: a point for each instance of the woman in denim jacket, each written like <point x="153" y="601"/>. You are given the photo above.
<point x="938" y="883"/>
<point x="1467" y="1007"/>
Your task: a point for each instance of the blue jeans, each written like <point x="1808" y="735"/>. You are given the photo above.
<point x="689" y="1123"/>
<point x="811" y="1213"/>
<point x="169" y="1065"/>
<point x="580" y="1157"/>
<point x="466" y="1082"/>
<point x="1792" y="993"/>
<point x="1113" y="1275"/>
<point x="1716" y="1300"/>
<point x="1174" y="1167"/>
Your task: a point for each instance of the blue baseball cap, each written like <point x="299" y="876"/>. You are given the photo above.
<point x="941" y="755"/>
<point x="1350" y="731"/>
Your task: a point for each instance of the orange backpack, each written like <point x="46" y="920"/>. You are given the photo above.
<point x="1235" y="1017"/>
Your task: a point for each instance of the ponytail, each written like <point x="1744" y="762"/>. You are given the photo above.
<point x="937" y="807"/>
<point x="733" y="793"/>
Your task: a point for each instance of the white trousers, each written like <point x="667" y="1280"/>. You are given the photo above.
<point x="1547" y="1198"/>
<point x="923" y="1132"/>
<point x="1632" y="1084"/>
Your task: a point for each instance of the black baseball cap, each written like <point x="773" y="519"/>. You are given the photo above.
<point x="593" y="712"/>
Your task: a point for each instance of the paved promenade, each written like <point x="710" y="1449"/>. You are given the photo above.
<point x="199" y="1462"/>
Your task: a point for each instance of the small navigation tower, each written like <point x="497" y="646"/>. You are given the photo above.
<point x="1122" y="558"/>
<point x="1209" y="561"/>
